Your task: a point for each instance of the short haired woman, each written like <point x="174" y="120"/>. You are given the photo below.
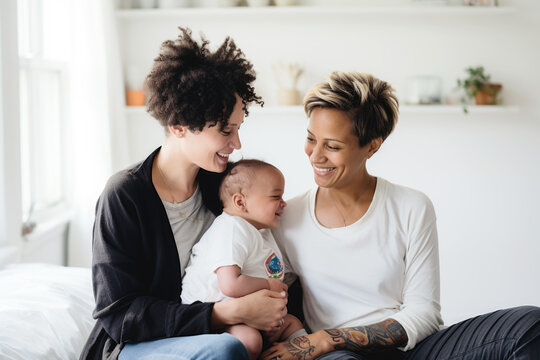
<point x="365" y="250"/>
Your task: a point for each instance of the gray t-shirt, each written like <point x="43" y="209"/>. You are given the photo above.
<point x="189" y="221"/>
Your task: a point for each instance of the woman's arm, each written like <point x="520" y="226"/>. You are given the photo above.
<point x="233" y="283"/>
<point x="130" y="305"/>
<point x="385" y="334"/>
<point x="261" y="310"/>
<point x="260" y="303"/>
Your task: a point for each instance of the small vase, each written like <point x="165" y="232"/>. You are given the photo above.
<point x="289" y="97"/>
<point x="135" y="98"/>
<point x="488" y="94"/>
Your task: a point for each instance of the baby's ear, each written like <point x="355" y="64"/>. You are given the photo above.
<point x="239" y="202"/>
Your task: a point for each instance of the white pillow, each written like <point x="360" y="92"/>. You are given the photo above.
<point x="45" y="311"/>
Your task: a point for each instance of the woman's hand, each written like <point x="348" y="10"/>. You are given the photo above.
<point x="301" y="347"/>
<point x="379" y="336"/>
<point x="263" y="310"/>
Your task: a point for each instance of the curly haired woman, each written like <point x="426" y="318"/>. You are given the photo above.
<point x="151" y="214"/>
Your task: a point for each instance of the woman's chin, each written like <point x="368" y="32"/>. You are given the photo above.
<point x="322" y="182"/>
<point x="215" y="168"/>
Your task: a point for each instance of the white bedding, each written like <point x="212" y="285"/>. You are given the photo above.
<point x="45" y="311"/>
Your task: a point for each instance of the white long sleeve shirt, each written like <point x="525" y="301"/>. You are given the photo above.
<point x="385" y="265"/>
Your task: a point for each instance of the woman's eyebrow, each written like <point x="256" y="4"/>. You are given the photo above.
<point x="329" y="139"/>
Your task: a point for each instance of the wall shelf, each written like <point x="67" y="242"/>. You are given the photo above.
<point x="404" y="109"/>
<point x="154" y="14"/>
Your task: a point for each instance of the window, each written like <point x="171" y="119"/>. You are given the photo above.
<point x="43" y="52"/>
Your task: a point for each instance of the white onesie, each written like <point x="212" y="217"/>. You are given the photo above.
<point x="230" y="240"/>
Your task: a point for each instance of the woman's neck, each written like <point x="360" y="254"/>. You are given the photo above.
<point x="173" y="174"/>
<point x="343" y="206"/>
<point x="357" y="192"/>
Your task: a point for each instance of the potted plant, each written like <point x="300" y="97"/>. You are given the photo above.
<point x="477" y="86"/>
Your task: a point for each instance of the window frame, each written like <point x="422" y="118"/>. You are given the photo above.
<point x="10" y="183"/>
<point x="33" y="65"/>
<point x="32" y="61"/>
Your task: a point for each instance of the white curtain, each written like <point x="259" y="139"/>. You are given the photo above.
<point x="98" y="146"/>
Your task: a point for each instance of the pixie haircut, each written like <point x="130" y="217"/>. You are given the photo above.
<point x="190" y="85"/>
<point x="369" y="102"/>
<point x="240" y="176"/>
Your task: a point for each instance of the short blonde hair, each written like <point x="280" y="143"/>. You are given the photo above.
<point x="370" y="103"/>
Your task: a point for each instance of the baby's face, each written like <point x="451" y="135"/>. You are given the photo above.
<point x="264" y="199"/>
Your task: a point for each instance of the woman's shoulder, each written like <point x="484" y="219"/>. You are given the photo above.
<point x="405" y="197"/>
<point x="132" y="181"/>
<point x="124" y="180"/>
<point x="402" y="191"/>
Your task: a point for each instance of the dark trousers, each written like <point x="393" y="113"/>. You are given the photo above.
<point x="511" y="334"/>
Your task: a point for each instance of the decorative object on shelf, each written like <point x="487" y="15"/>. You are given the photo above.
<point x="135" y="98"/>
<point x="215" y="3"/>
<point x="146" y="4"/>
<point x="424" y="90"/>
<point x="135" y="95"/>
<point x="481" y="2"/>
<point x="123" y="4"/>
<point x="287" y="75"/>
<point x="477" y="86"/>
<point x="227" y="3"/>
<point x="286" y="2"/>
<point x="171" y="4"/>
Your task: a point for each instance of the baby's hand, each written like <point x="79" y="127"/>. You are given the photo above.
<point x="277" y="285"/>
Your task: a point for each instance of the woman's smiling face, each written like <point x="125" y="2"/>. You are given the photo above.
<point x="333" y="149"/>
<point x="210" y="148"/>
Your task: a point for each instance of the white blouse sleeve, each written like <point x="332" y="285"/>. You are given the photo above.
<point x="420" y="312"/>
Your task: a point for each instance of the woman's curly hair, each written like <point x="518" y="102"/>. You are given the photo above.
<point x="192" y="86"/>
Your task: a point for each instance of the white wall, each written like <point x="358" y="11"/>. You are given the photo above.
<point x="481" y="170"/>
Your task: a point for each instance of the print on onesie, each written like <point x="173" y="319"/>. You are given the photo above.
<point x="274" y="267"/>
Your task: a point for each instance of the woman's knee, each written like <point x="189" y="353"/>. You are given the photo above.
<point x="527" y="324"/>
<point x="200" y="347"/>
<point x="524" y="321"/>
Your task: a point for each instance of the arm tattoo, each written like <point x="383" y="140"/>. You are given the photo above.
<point x="387" y="333"/>
<point x="300" y="347"/>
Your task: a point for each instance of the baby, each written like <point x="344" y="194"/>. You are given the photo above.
<point x="238" y="254"/>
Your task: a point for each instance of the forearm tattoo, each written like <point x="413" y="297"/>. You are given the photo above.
<point x="387" y="333"/>
<point x="300" y="347"/>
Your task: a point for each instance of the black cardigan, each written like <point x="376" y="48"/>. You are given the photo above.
<point x="136" y="267"/>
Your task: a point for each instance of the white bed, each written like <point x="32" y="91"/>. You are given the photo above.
<point x="45" y="311"/>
